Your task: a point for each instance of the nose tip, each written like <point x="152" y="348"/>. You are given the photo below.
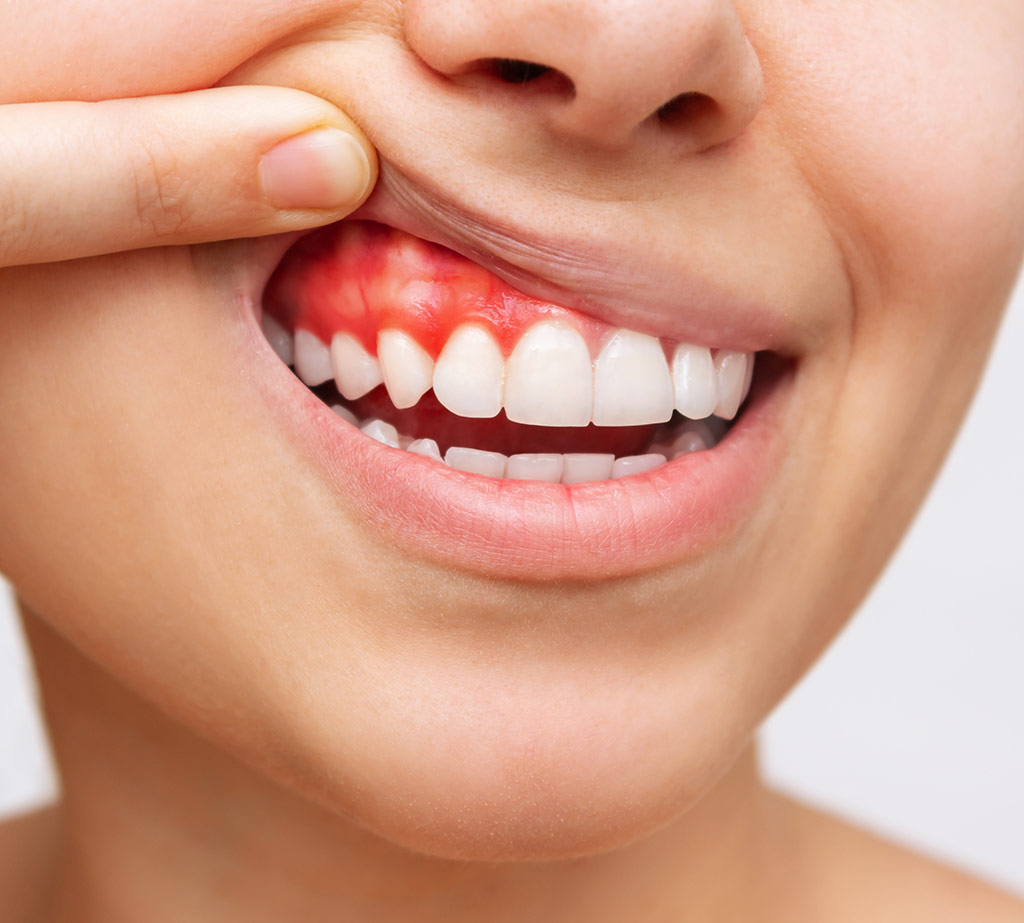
<point x="599" y="70"/>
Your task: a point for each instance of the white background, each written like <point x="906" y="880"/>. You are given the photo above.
<point x="913" y="723"/>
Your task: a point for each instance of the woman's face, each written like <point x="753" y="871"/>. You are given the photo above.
<point x="502" y="669"/>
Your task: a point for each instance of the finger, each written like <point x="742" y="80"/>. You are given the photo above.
<point x="80" y="179"/>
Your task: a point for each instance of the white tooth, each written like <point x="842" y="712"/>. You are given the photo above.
<point x="580" y="467"/>
<point x="549" y="380"/>
<point x="470" y="373"/>
<point x="356" y="372"/>
<point x="382" y="432"/>
<point x="687" y="443"/>
<point x="731" y="371"/>
<point x="636" y="464"/>
<point x="748" y="379"/>
<point x="312" y="359"/>
<point x="425" y="447"/>
<point x="537" y="467"/>
<point x="407" y="369"/>
<point x="280" y="340"/>
<point x="475" y="461"/>
<point x="693" y="374"/>
<point x="632" y="384"/>
<point x="705" y="429"/>
<point x="345" y="414"/>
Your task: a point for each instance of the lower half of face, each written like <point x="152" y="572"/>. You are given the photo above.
<point x="506" y="511"/>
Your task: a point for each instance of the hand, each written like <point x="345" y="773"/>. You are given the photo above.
<point x="80" y="179"/>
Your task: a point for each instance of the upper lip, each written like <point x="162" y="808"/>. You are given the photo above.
<point x="615" y="284"/>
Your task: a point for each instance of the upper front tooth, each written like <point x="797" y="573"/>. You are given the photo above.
<point x="549" y="379"/>
<point x="632" y="384"/>
<point x="312" y="358"/>
<point x="356" y="372"/>
<point x="731" y="370"/>
<point x="407" y="368"/>
<point x="470" y="373"/>
<point x="696" y="386"/>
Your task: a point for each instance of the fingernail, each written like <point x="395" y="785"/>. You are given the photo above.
<point x="322" y="168"/>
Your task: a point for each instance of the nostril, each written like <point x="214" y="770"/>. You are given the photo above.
<point x="510" y="70"/>
<point x="686" y="107"/>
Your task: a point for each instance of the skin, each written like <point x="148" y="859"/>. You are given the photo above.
<point x="299" y="719"/>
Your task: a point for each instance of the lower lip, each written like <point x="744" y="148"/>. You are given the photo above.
<point x="530" y="530"/>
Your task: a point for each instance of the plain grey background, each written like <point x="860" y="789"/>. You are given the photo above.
<point x="912" y="724"/>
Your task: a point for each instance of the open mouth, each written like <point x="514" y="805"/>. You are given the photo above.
<point x="426" y="352"/>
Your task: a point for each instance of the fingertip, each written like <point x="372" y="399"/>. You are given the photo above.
<point x="324" y="168"/>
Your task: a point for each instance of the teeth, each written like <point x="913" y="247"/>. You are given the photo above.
<point x="636" y="464"/>
<point x="312" y="359"/>
<point x="632" y="384"/>
<point x="280" y="340"/>
<point x="356" y="372"/>
<point x="406" y="367"/>
<point x="345" y="414"/>
<point x="696" y="386"/>
<point x="469" y="375"/>
<point x="382" y="432"/>
<point x="427" y="448"/>
<point x="475" y="461"/>
<point x="731" y="370"/>
<point x="580" y="467"/>
<point x="535" y="468"/>
<point x="549" y="379"/>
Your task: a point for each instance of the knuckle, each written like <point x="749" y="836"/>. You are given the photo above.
<point x="164" y="194"/>
<point x="16" y="226"/>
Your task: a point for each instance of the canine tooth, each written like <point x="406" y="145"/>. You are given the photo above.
<point x="425" y="447"/>
<point x="580" y="467"/>
<point x="356" y="372"/>
<point x="731" y="371"/>
<point x="407" y="368"/>
<point x="280" y="340"/>
<point x="345" y="414"/>
<point x="470" y="372"/>
<point x="549" y="380"/>
<point x="382" y="432"/>
<point x="476" y="461"/>
<point x="636" y="464"/>
<point x="696" y="386"/>
<point x="535" y="467"/>
<point x="312" y="359"/>
<point x="632" y="384"/>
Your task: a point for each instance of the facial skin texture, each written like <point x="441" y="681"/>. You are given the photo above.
<point x="863" y="170"/>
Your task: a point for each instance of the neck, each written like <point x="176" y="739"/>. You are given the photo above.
<point x="158" y="825"/>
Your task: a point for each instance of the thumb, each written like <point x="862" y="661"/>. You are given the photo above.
<point x="79" y="179"/>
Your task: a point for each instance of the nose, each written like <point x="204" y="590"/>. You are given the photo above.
<point x="599" y="71"/>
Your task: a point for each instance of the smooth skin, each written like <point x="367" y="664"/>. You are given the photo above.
<point x="261" y="707"/>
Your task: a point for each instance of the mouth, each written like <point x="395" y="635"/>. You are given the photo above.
<point x="504" y="432"/>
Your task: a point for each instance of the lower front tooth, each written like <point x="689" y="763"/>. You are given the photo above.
<point x="535" y="467"/>
<point x="425" y="447"/>
<point x="580" y="467"/>
<point x="312" y="359"/>
<point x="476" y="461"/>
<point x="636" y="464"/>
<point x="382" y="432"/>
<point x="687" y="443"/>
<point x="345" y="414"/>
